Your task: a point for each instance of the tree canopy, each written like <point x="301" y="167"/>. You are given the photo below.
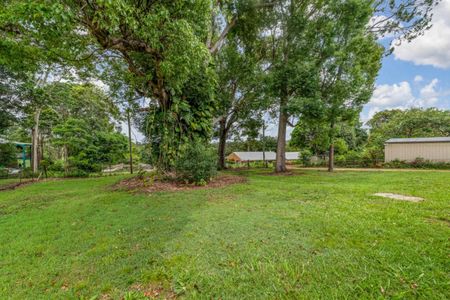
<point x="197" y="65"/>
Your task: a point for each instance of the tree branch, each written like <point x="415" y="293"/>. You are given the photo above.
<point x="218" y="44"/>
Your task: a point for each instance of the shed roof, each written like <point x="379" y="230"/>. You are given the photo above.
<point x="418" y="140"/>
<point x="255" y="156"/>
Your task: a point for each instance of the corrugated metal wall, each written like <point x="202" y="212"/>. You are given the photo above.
<point x="437" y="152"/>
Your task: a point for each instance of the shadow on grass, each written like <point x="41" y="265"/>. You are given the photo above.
<point x="75" y="238"/>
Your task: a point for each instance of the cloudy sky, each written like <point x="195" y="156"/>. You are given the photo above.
<point x="417" y="74"/>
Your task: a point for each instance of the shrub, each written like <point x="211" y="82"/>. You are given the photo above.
<point x="8" y="155"/>
<point x="56" y="166"/>
<point x="82" y="163"/>
<point x="75" y="172"/>
<point x="305" y="157"/>
<point x="196" y="164"/>
<point x="418" y="163"/>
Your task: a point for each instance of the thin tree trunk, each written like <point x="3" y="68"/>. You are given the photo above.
<point x="264" y="144"/>
<point x="331" y="150"/>
<point x="35" y="164"/>
<point x="223" y="132"/>
<point x="248" y="150"/>
<point x="129" y="141"/>
<point x="280" y="165"/>
<point x="41" y="148"/>
<point x="331" y="158"/>
<point x="66" y="157"/>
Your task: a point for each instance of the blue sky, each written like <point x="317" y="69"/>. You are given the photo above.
<point x="417" y="74"/>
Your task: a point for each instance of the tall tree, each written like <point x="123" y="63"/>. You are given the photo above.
<point x="165" y="45"/>
<point x="348" y="73"/>
<point x="239" y="92"/>
<point x="298" y="29"/>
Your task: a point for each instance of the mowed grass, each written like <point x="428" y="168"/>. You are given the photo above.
<point x="313" y="235"/>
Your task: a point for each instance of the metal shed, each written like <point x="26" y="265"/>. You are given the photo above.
<point x="435" y="149"/>
<point x="258" y="156"/>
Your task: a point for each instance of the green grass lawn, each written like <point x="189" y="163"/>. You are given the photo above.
<point x="310" y="236"/>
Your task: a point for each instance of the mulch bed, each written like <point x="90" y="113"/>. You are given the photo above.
<point x="147" y="185"/>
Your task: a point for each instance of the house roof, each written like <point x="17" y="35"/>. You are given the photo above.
<point x="4" y="141"/>
<point x="255" y="156"/>
<point x="419" y="140"/>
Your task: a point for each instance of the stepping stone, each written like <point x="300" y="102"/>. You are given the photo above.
<point x="399" y="197"/>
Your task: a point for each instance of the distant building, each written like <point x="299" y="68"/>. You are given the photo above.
<point x="23" y="152"/>
<point x="258" y="156"/>
<point x="436" y="149"/>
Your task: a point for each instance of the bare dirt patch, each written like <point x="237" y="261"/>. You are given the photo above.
<point x="15" y="185"/>
<point x="147" y="185"/>
<point x="154" y="291"/>
<point x="439" y="221"/>
<point x="399" y="197"/>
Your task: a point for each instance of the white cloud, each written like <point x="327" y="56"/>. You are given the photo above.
<point x="418" y="78"/>
<point x="428" y="94"/>
<point x="432" y="48"/>
<point x="386" y="95"/>
<point x="401" y="96"/>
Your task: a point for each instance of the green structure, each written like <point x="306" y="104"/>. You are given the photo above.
<point x="23" y="152"/>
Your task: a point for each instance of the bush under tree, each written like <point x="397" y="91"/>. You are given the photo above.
<point x="196" y="164"/>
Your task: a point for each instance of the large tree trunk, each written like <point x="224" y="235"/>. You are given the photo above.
<point x="223" y="134"/>
<point x="280" y="165"/>
<point x="35" y="146"/>
<point x="129" y="141"/>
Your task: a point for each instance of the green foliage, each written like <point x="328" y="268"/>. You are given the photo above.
<point x="314" y="136"/>
<point x="56" y="166"/>
<point x="187" y="118"/>
<point x="8" y="155"/>
<point x="305" y="157"/>
<point x="196" y="164"/>
<point x="349" y="70"/>
<point x="156" y="48"/>
<point x="240" y="94"/>
<point x="87" y="150"/>
<point x="11" y="91"/>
